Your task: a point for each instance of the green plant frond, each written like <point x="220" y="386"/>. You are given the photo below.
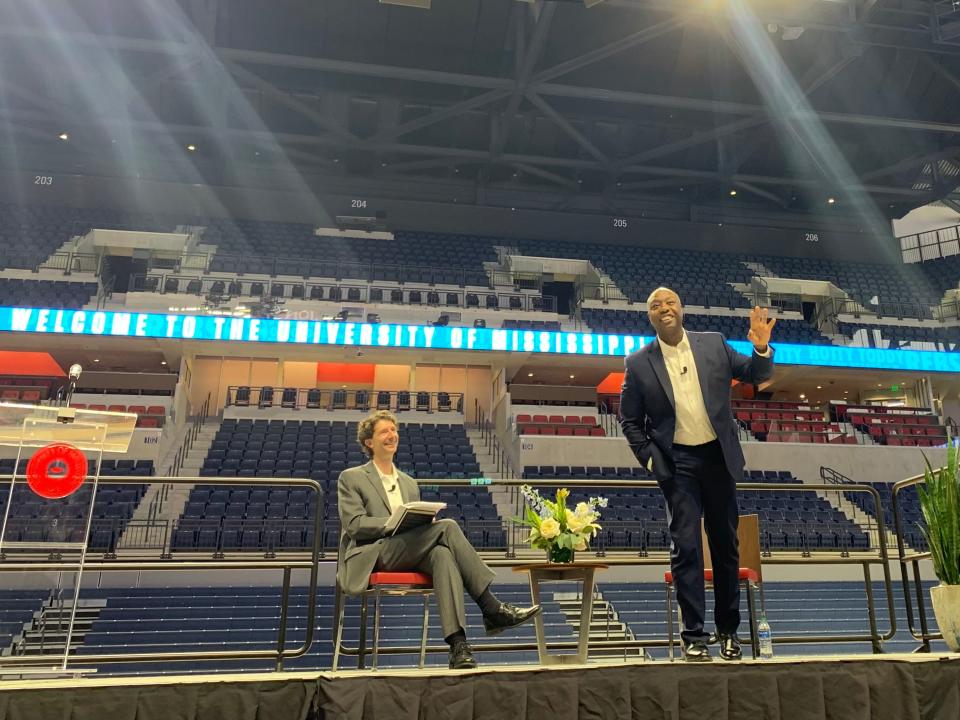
<point x="940" y="504"/>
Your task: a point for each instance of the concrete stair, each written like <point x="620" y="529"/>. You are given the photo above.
<point x="47" y="633"/>
<point x="604" y="625"/>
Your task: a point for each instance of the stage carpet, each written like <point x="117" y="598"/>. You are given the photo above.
<point x="914" y="687"/>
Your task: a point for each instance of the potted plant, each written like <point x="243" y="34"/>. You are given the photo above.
<point x="940" y="504"/>
<point x="557" y="529"/>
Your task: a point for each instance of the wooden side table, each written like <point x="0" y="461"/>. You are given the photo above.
<point x="552" y="572"/>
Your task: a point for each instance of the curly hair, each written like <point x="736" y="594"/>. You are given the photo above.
<point x="365" y="428"/>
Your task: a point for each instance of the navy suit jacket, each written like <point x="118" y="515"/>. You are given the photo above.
<point x="647" y="409"/>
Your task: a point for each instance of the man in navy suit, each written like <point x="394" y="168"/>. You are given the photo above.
<point x="675" y="413"/>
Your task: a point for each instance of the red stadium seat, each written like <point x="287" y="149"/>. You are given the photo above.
<point x="572" y="419"/>
<point x="564" y="430"/>
<point x="555" y="419"/>
<point x="116" y="408"/>
<point x="598" y="431"/>
<point x="156" y="410"/>
<point x="523" y="418"/>
<point x="138" y="409"/>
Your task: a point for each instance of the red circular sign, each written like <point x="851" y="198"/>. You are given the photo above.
<point x="56" y="471"/>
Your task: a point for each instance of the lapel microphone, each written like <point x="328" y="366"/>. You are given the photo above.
<point x="684" y="371"/>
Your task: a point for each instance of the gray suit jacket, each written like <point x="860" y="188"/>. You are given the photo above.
<point x="647" y="413"/>
<point x="364" y="510"/>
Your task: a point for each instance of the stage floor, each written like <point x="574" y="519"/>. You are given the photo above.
<point x="837" y="687"/>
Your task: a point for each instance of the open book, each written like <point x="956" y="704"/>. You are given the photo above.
<point x="411" y="515"/>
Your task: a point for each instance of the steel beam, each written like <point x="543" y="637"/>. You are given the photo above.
<point x="465" y="80"/>
<point x="286" y="99"/>
<point x="531" y="57"/>
<point x="751" y="188"/>
<point x="942" y="72"/>
<point x="547" y="175"/>
<point x="451" y="111"/>
<point x="609" y="50"/>
<point x="569" y="129"/>
<point x="428" y="151"/>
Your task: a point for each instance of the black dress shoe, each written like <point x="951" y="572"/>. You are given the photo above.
<point x="730" y="646"/>
<point x="461" y="657"/>
<point x="696" y="652"/>
<point x="508" y="616"/>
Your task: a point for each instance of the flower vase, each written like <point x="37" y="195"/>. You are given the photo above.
<point x="559" y="555"/>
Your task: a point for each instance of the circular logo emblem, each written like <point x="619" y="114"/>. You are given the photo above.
<point x="56" y="471"/>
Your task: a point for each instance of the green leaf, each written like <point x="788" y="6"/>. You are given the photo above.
<point x="940" y="504"/>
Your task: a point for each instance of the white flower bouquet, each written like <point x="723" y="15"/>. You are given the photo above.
<point x="556" y="528"/>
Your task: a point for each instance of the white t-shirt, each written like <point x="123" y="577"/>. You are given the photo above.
<point x="391" y="485"/>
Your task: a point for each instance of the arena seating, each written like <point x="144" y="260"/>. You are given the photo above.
<point x="16" y="609"/>
<point x="638" y="270"/>
<point x="895" y="336"/>
<point x="734" y="327"/>
<point x="568" y="425"/>
<point x="274" y="517"/>
<point x="148" y="416"/>
<point x="943" y="273"/>
<point x="863" y="281"/>
<point x="245" y="246"/>
<point x="247" y="618"/>
<point x="896" y="426"/>
<point x="29" y="234"/>
<point x="792" y="608"/>
<point x="910" y="514"/>
<point x="37" y="520"/>
<point x="783" y="421"/>
<point x="548" y="325"/>
<point x="636" y="517"/>
<point x="45" y="293"/>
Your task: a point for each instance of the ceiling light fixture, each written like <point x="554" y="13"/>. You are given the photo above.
<point x="191" y="147"/>
<point x="733" y="193"/>
<point x="529" y="374"/>
<point x="831" y="201"/>
<point x="63" y="136"/>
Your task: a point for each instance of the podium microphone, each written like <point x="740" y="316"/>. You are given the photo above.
<point x="74" y="374"/>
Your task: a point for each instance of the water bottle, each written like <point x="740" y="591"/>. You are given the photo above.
<point x="765" y="638"/>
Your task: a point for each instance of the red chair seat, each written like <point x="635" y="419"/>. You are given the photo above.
<point x="744" y="574"/>
<point x="400" y="578"/>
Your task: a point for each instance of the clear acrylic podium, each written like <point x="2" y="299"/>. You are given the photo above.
<point x="49" y="530"/>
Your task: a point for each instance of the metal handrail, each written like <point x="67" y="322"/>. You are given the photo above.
<point x="912" y="559"/>
<point x="279" y="655"/>
<point x="509" y="559"/>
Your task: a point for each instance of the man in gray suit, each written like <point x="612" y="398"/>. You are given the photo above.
<point x="367" y="496"/>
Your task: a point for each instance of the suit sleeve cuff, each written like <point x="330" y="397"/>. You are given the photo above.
<point x="766" y="354"/>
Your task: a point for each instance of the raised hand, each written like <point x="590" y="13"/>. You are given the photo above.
<point x="760" y="328"/>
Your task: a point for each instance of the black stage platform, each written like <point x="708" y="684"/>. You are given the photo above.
<point x="902" y="687"/>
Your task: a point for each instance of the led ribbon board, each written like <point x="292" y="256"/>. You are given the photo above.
<point x="426" y="337"/>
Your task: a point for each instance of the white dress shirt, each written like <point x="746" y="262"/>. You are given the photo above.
<point x="391" y="485"/>
<point x="693" y="425"/>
